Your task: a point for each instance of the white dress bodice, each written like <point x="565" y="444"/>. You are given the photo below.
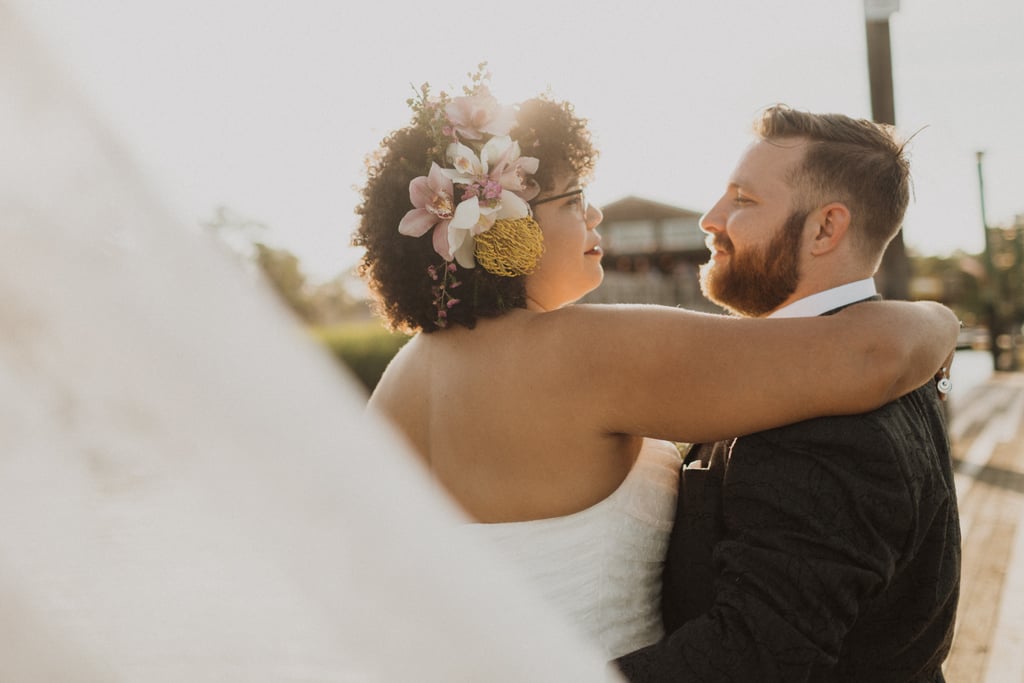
<point x="602" y="566"/>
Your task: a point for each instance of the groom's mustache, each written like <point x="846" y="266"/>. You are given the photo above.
<point x="722" y="244"/>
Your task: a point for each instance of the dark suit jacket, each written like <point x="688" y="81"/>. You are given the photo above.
<point x="827" y="550"/>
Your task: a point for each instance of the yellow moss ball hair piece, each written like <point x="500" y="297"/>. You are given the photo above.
<point x="512" y="247"/>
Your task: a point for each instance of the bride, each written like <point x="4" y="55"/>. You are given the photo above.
<point x="551" y="424"/>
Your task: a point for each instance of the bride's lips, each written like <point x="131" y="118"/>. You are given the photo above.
<point x="594" y="250"/>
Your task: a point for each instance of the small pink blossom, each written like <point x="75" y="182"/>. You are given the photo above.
<point x="492" y="189"/>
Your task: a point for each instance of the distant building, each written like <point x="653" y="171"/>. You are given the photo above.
<point x="652" y="253"/>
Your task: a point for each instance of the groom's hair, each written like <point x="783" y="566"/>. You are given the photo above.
<point x="854" y="161"/>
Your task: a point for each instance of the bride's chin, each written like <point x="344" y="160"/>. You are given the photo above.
<point x="592" y="285"/>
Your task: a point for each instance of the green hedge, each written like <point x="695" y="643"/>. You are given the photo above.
<point x="365" y="348"/>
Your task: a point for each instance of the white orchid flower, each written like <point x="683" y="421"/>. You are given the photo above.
<point x="512" y="206"/>
<point x="503" y="163"/>
<point x="468" y="166"/>
<point x="495" y="151"/>
<point x="470" y="219"/>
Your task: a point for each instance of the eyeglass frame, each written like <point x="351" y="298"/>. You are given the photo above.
<point x="585" y="205"/>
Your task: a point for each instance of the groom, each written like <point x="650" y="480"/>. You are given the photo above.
<point x="827" y="550"/>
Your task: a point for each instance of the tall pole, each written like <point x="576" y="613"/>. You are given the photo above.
<point x="1013" y="295"/>
<point x="992" y="297"/>
<point x="883" y="104"/>
<point x="895" y="268"/>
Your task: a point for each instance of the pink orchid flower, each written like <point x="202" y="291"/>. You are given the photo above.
<point x="474" y="115"/>
<point x="499" y="162"/>
<point x="433" y="197"/>
<point x="512" y="171"/>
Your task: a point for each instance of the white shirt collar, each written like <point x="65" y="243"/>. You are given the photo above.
<point x="830" y="299"/>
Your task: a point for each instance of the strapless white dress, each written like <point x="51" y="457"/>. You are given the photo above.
<point x="601" y="566"/>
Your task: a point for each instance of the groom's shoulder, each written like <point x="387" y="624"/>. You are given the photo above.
<point x="879" y="430"/>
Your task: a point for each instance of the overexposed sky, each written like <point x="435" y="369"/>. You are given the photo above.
<point x="269" y="107"/>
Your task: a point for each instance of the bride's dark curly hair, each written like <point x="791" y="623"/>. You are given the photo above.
<point x="396" y="266"/>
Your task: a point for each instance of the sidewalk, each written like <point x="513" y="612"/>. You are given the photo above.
<point x="987" y="434"/>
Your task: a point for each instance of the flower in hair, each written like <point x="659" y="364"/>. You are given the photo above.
<point x="488" y="181"/>
<point x="511" y="247"/>
<point x="445" y="279"/>
<point x="433" y="197"/>
<point x="493" y="183"/>
<point x="474" y="115"/>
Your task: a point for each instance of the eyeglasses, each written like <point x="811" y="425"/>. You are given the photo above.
<point x="584" y="204"/>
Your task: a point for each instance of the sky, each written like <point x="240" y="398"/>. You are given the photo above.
<point x="269" y="108"/>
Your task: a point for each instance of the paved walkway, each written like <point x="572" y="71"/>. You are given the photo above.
<point x="987" y="433"/>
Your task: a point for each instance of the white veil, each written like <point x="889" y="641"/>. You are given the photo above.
<point x="189" y="488"/>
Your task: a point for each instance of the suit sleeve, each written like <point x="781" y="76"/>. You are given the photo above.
<point x="815" y="516"/>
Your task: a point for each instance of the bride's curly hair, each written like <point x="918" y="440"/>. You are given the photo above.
<point x="396" y="266"/>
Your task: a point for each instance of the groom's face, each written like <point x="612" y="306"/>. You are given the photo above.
<point x="755" y="233"/>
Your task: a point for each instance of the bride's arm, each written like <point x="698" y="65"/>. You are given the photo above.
<point x="686" y="376"/>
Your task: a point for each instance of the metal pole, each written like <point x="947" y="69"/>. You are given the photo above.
<point x="883" y="103"/>
<point x="1013" y="286"/>
<point x="895" y="268"/>
<point x="992" y="286"/>
<point x="1018" y="291"/>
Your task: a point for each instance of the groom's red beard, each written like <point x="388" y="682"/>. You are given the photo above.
<point x="756" y="282"/>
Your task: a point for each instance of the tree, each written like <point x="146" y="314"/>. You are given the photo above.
<point x="283" y="271"/>
<point x="336" y="300"/>
<point x="959" y="277"/>
<point x="281" y="268"/>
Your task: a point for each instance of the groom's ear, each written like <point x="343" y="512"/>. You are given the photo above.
<point x="832" y="223"/>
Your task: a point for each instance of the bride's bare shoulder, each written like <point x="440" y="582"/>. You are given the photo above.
<point x="613" y="322"/>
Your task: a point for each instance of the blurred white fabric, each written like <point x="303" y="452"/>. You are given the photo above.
<point x="189" y="488"/>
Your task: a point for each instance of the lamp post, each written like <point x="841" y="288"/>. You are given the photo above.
<point x="895" y="266"/>
<point x="1006" y="255"/>
<point x="1017" y="330"/>
<point x="992" y="296"/>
